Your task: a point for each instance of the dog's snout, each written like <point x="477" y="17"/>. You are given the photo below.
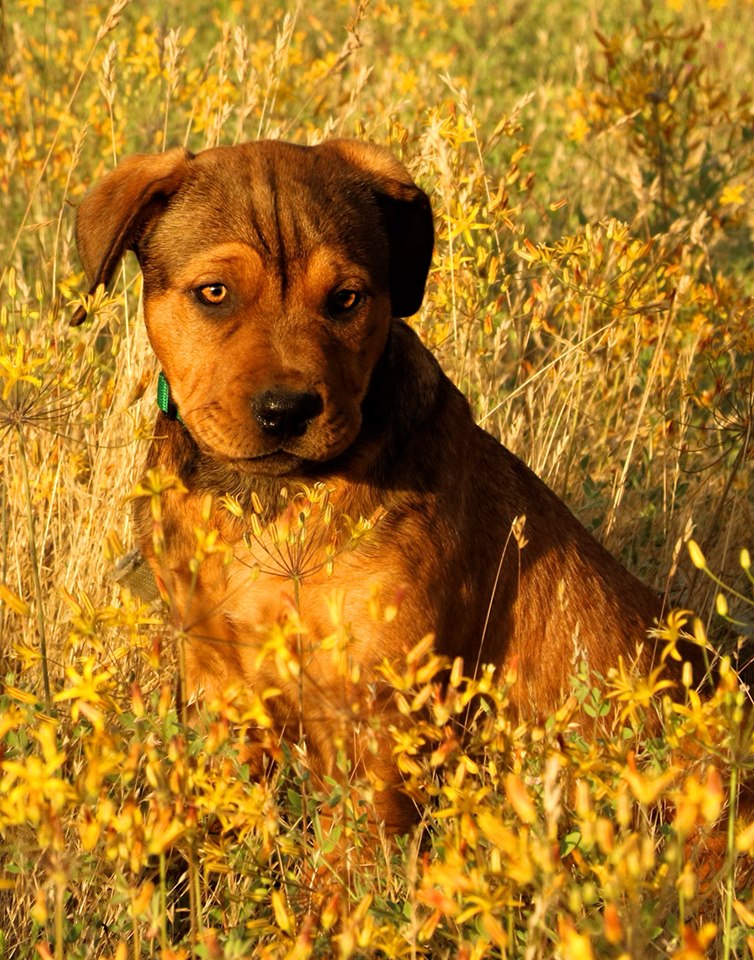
<point x="281" y="413"/>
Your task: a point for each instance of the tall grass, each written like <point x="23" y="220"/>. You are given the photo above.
<point x="591" y="175"/>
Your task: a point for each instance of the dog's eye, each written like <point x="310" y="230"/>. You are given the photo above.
<point x="343" y="301"/>
<point x="212" y="294"/>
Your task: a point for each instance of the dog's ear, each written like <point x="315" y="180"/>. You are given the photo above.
<point x="111" y="214"/>
<point x="408" y="219"/>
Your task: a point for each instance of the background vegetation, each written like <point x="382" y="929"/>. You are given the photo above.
<point x="592" y="172"/>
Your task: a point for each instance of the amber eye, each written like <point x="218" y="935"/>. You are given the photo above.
<point x="212" y="294"/>
<point x="343" y="301"/>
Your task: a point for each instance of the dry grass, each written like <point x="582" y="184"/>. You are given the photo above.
<point x="591" y="295"/>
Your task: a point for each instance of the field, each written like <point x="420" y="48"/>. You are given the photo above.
<point x="592" y="176"/>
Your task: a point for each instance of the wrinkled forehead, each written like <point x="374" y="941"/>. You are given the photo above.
<point x="283" y="201"/>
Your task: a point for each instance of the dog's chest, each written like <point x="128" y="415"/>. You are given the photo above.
<point x="317" y="578"/>
<point x="312" y="585"/>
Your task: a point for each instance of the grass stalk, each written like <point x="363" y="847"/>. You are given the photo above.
<point x="195" y="896"/>
<point x="59" y="919"/>
<point x="136" y="935"/>
<point x="34" y="570"/>
<point x="729" y="894"/>
<point x="305" y="825"/>
<point x="3" y="564"/>
<point x="163" y="920"/>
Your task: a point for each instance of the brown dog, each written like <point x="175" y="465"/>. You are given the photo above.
<point x="274" y="277"/>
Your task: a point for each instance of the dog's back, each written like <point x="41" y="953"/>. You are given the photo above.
<point x="510" y="576"/>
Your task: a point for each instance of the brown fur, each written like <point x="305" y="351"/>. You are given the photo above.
<point x="283" y="227"/>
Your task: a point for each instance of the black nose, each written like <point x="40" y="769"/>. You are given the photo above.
<point x="281" y="413"/>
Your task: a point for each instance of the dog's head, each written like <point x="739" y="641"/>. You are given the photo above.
<point x="271" y="274"/>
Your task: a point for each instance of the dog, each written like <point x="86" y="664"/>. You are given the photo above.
<point x="277" y="279"/>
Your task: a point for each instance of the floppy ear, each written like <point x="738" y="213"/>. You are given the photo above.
<point x="110" y="215"/>
<point x="408" y="219"/>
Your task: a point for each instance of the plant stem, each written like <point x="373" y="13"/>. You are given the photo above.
<point x="35" y="571"/>
<point x="163" y="903"/>
<point x="731" y="861"/>
<point x="301" y="732"/>
<point x="4" y="570"/>
<point x="59" y="925"/>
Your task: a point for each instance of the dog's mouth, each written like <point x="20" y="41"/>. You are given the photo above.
<point x="276" y="463"/>
<point x="309" y="452"/>
<point x="284" y="462"/>
<point x="273" y="463"/>
<point x="260" y="458"/>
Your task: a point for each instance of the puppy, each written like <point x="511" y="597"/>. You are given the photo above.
<point x="275" y="280"/>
